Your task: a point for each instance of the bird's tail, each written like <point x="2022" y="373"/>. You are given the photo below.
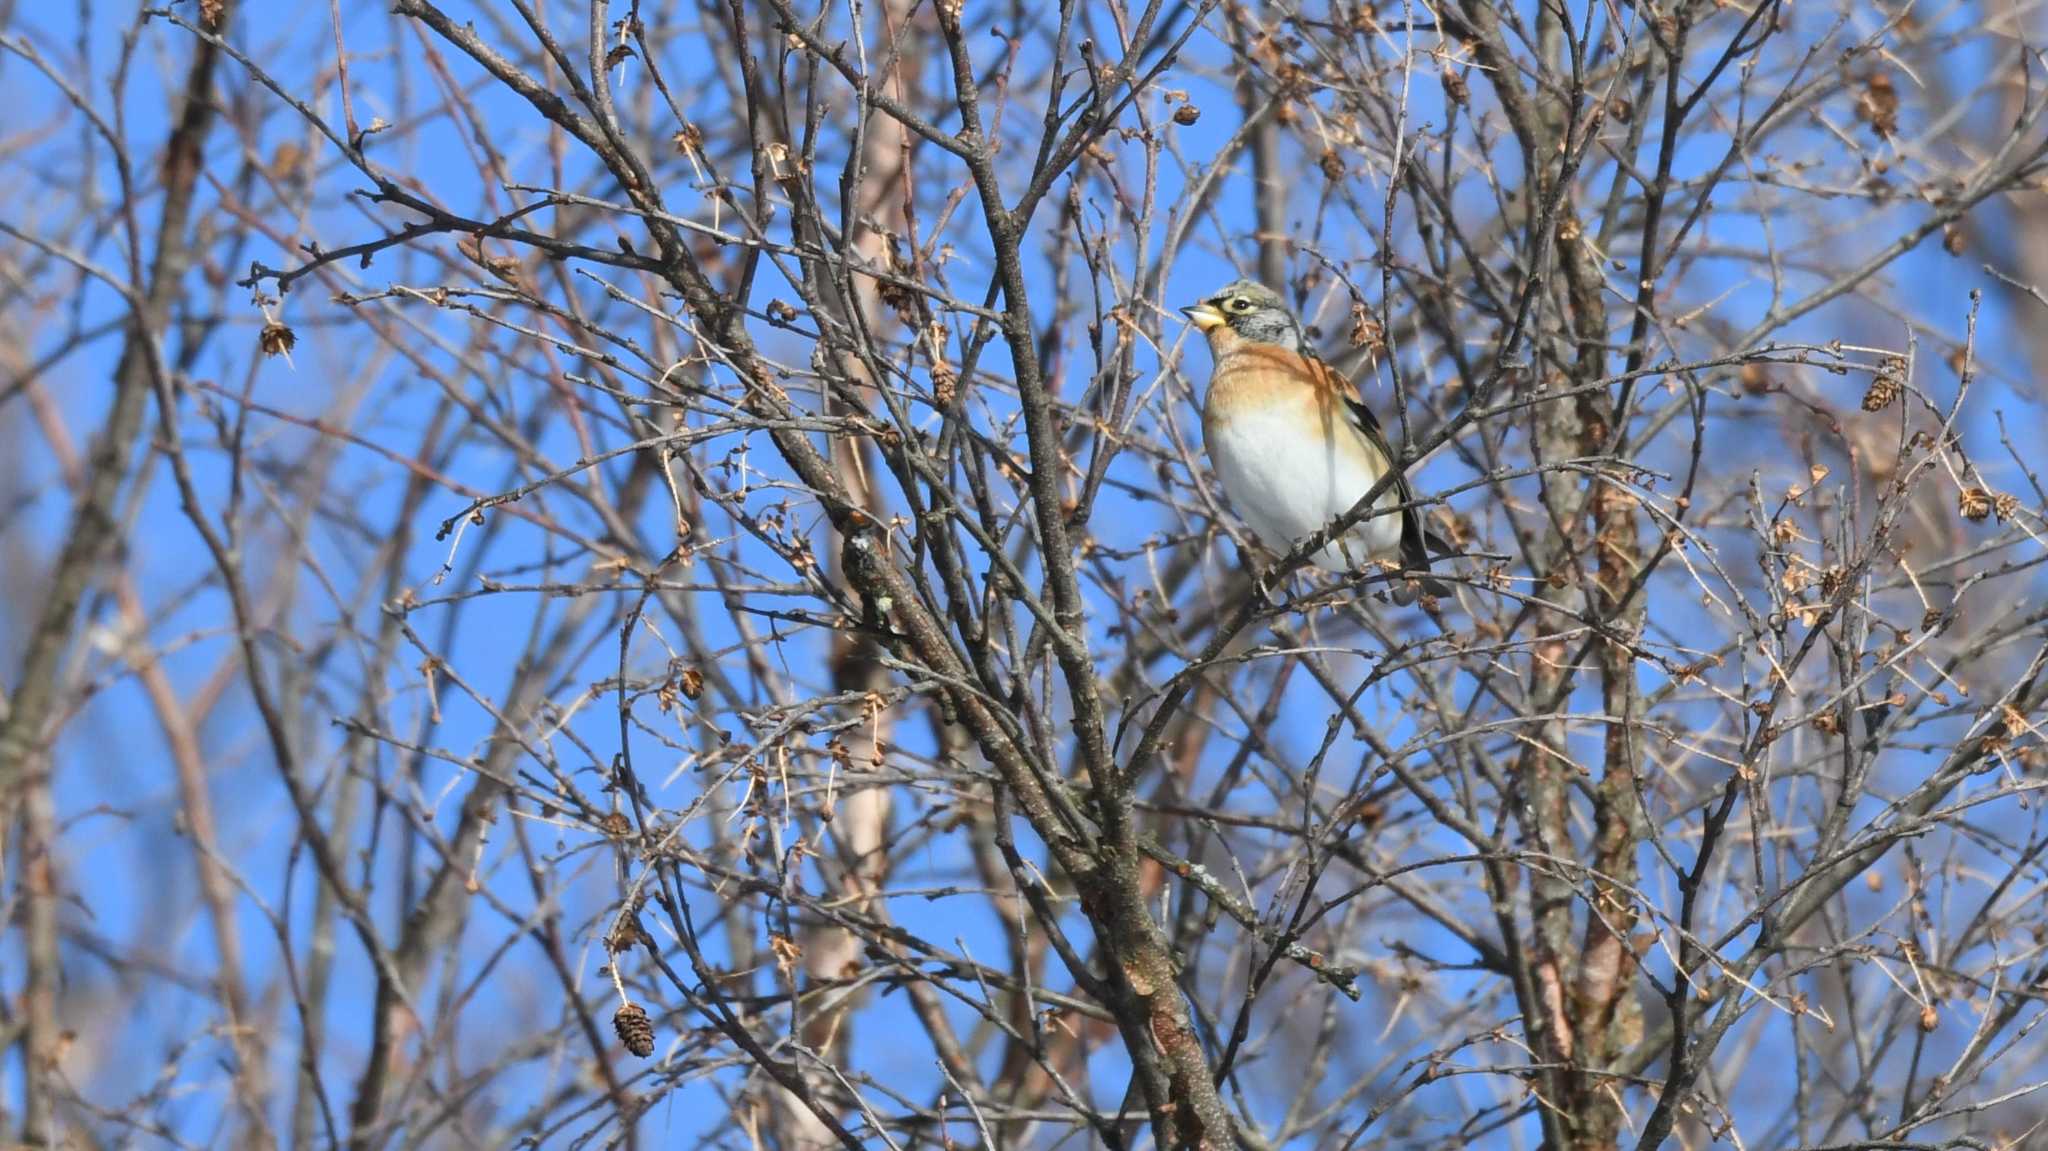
<point x="1412" y="586"/>
<point x="1416" y="580"/>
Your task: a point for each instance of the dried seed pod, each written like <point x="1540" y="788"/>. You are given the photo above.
<point x="1886" y="386"/>
<point x="1455" y="87"/>
<point x="1974" y="503"/>
<point x="1186" y="114"/>
<point x="1366" y="331"/>
<point x="898" y="290"/>
<point x="627" y="933"/>
<point x="276" y="339"/>
<point x="1878" y="104"/>
<point x="635" y="1030"/>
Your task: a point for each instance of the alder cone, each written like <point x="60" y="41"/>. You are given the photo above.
<point x="635" y="1030"/>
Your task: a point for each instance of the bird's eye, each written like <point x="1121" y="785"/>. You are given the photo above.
<point x="1239" y="304"/>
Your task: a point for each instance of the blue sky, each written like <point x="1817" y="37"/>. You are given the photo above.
<point x="111" y="756"/>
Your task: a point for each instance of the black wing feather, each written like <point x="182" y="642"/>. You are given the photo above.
<point x="1414" y="538"/>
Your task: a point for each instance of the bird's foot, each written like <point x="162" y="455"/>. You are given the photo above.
<point x="1262" y="585"/>
<point x="1262" y="588"/>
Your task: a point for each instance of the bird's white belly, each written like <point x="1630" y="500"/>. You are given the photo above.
<point x="1287" y="486"/>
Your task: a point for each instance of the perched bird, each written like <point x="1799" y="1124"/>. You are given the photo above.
<point x="1294" y="447"/>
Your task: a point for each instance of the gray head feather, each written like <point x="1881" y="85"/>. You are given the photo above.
<point x="1257" y="313"/>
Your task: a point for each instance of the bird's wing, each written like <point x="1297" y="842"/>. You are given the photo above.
<point x="1414" y="546"/>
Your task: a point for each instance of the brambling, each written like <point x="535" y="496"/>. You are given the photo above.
<point x="1293" y="446"/>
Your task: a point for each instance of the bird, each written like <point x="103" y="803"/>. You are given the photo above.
<point x="1294" y="447"/>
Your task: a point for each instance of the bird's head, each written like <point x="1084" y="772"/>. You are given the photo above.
<point x="1250" y="311"/>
